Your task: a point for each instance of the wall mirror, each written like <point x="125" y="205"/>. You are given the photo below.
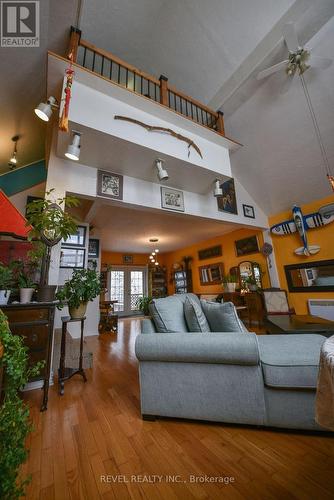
<point x="317" y="276"/>
<point x="250" y="275"/>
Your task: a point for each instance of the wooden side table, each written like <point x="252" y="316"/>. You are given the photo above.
<point x="63" y="372"/>
<point x="108" y="318"/>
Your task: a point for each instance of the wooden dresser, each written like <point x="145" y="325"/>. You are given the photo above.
<point x="34" y="322"/>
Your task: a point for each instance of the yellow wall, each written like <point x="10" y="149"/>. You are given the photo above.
<point x="228" y="258"/>
<point x="116" y="258"/>
<point x="284" y="250"/>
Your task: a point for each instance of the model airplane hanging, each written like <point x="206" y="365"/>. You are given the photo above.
<point x="302" y="223"/>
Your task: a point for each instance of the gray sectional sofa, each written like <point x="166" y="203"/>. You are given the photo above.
<point x="237" y="377"/>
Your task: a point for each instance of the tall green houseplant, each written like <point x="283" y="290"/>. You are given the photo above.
<point x="50" y="223"/>
<point x="14" y="413"/>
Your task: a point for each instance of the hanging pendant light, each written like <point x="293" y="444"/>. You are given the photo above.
<point x="12" y="163"/>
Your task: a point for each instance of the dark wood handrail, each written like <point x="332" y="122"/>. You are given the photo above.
<point x="140" y="82"/>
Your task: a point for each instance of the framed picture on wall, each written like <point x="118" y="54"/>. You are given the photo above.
<point x="127" y="259"/>
<point x="249" y="211"/>
<point x="247" y="246"/>
<point x="72" y="258"/>
<point x="172" y="199"/>
<point x="76" y="239"/>
<point x="109" y="185"/>
<point x="93" y="248"/>
<point x="227" y="202"/>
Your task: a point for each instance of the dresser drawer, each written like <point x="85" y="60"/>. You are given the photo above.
<point x="35" y="336"/>
<point x="26" y="315"/>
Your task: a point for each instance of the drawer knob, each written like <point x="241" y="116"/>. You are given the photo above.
<point x="34" y="337"/>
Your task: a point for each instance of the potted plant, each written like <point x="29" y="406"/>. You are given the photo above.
<point x="50" y="223"/>
<point x="229" y="283"/>
<point x="14" y="413"/>
<point x="144" y="303"/>
<point x="6" y="278"/>
<point x="251" y="284"/>
<point x="82" y="288"/>
<point x="26" y="286"/>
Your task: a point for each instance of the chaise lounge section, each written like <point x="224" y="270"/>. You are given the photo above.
<point x="232" y="377"/>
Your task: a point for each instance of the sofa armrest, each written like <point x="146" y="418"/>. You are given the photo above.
<point x="147" y="326"/>
<point x="219" y="348"/>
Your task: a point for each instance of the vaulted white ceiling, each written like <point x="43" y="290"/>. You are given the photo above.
<point x="211" y="50"/>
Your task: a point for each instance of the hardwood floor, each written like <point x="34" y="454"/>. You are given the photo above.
<point x="92" y="444"/>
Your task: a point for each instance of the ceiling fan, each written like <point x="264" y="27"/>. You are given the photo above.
<point x="299" y="58"/>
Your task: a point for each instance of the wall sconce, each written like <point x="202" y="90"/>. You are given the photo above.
<point x="162" y="173"/>
<point x="12" y="163"/>
<point x="218" y="190"/>
<point x="44" y="109"/>
<point x="73" y="150"/>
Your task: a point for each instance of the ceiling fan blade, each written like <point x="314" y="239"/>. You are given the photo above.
<point x="320" y="62"/>
<point x="271" y="70"/>
<point x="287" y="84"/>
<point x="290" y="35"/>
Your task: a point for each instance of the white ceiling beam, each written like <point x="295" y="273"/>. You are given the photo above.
<point x="323" y="11"/>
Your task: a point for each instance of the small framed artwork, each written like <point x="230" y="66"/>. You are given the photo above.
<point x="209" y="253"/>
<point x="227" y="202"/>
<point x="127" y="259"/>
<point x="92" y="264"/>
<point x="211" y="274"/>
<point x="247" y="246"/>
<point x="249" y="211"/>
<point x="93" y="248"/>
<point x="77" y="239"/>
<point x="172" y="199"/>
<point x="72" y="258"/>
<point x="109" y="185"/>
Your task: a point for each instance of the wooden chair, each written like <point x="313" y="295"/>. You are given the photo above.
<point x="276" y="301"/>
<point x="255" y="310"/>
<point x="108" y="318"/>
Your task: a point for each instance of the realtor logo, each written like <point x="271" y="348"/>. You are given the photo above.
<point x="19" y="23"/>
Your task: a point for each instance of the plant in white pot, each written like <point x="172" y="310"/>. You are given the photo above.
<point x="26" y="286"/>
<point x="82" y="288"/>
<point x="229" y="283"/>
<point x="6" y="281"/>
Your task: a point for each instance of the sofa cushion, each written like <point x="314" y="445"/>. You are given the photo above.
<point x="168" y="315"/>
<point x="195" y="317"/>
<point x="290" y="361"/>
<point x="222" y="317"/>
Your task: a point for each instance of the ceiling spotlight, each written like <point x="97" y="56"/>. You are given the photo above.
<point x="156" y="250"/>
<point x="13" y="159"/>
<point x="218" y="190"/>
<point x="73" y="150"/>
<point x="153" y="253"/>
<point x="156" y="263"/>
<point x="162" y="173"/>
<point x="44" y="109"/>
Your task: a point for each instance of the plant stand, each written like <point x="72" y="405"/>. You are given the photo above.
<point x="63" y="372"/>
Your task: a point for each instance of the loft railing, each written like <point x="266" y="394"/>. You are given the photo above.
<point x="113" y="68"/>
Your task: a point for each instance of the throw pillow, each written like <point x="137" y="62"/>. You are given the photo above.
<point x="195" y="317"/>
<point x="167" y="314"/>
<point x="222" y="317"/>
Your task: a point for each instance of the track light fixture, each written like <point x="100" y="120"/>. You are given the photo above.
<point x="218" y="190"/>
<point x="73" y="150"/>
<point x="162" y="172"/>
<point x="44" y="109"/>
<point x="13" y="159"/>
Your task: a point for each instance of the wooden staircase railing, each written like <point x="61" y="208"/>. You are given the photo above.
<point x="113" y="68"/>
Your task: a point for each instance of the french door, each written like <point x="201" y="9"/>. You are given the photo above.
<point x="127" y="285"/>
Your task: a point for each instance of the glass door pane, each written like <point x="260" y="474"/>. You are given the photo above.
<point x="117" y="282"/>
<point x="136" y="289"/>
